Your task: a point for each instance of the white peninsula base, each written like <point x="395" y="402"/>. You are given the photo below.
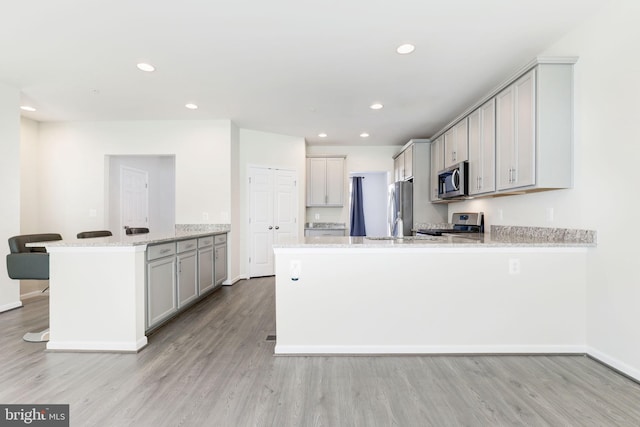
<point x="358" y="300"/>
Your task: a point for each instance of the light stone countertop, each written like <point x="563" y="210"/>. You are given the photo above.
<point x="500" y="237"/>
<point x="132" y="240"/>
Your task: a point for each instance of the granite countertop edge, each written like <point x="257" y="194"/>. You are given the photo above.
<point x="135" y="239"/>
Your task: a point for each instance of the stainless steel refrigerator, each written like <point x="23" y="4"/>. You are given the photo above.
<point x="400" y="209"/>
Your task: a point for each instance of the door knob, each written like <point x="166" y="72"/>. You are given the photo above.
<point x="270" y="228"/>
<point x="277" y="227"/>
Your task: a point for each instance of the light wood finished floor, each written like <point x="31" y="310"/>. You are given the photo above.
<point x="213" y="367"/>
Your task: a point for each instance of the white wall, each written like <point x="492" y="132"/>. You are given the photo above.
<point x="359" y="159"/>
<point x="607" y="113"/>
<point x="71" y="167"/>
<point x="9" y="188"/>
<point x="267" y="150"/>
<point x="233" y="242"/>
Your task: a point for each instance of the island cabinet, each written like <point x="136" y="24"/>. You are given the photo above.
<point x="482" y="149"/>
<point x="205" y="264"/>
<point x="161" y="283"/>
<point x="456" y="148"/>
<point x="187" y="260"/>
<point x="181" y="271"/>
<point x="534" y="141"/>
<point x="325" y="181"/>
<point x="437" y="164"/>
<point x="220" y="259"/>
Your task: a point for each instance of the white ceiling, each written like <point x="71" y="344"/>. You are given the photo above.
<point x="294" y="67"/>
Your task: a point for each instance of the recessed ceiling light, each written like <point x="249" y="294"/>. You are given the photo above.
<point x="322" y="135"/>
<point x="27" y="108"/>
<point x="376" y="106"/>
<point x="191" y="106"/>
<point x="405" y="48"/>
<point x="364" y="135"/>
<point x="146" y="67"/>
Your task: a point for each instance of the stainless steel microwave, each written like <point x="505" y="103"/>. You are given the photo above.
<point x="454" y="181"/>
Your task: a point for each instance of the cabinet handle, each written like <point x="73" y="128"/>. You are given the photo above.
<point x="179" y="266"/>
<point x="515" y="175"/>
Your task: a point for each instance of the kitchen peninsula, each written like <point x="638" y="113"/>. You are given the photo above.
<point x="107" y="293"/>
<point x="516" y="290"/>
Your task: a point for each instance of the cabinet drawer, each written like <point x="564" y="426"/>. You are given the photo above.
<point x="159" y="251"/>
<point x="203" y="242"/>
<point x="220" y="238"/>
<point x="187" y="245"/>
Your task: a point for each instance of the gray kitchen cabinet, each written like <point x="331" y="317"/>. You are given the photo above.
<point x="437" y="164"/>
<point x="205" y="264"/>
<point x="325" y="181"/>
<point x="161" y="283"/>
<point x="456" y="148"/>
<point x="534" y="140"/>
<point x="324" y="232"/>
<point x="482" y="149"/>
<point x="187" y="260"/>
<point x="403" y="165"/>
<point x="220" y="259"/>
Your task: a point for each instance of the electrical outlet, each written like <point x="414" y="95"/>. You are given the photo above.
<point x="514" y="266"/>
<point x="317" y="216"/>
<point x="500" y="214"/>
<point x="294" y="269"/>
<point x="205" y="216"/>
<point x="550" y="214"/>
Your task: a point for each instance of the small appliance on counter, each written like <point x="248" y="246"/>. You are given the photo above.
<point x="464" y="222"/>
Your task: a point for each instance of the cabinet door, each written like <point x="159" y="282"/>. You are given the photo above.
<point x="205" y="269"/>
<point x="187" y="278"/>
<point x="161" y="288"/>
<point x="456" y="144"/>
<point x="482" y="145"/>
<point x="408" y="163"/>
<point x="515" y="134"/>
<point x="524" y="168"/>
<point x="505" y="138"/>
<point x="220" y="263"/>
<point x="316" y="181"/>
<point x="398" y="167"/>
<point x="335" y="181"/>
<point x="437" y="164"/>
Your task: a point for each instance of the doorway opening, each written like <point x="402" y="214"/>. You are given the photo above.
<point x="140" y="186"/>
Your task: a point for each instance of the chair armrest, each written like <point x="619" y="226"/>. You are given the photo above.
<point x="28" y="266"/>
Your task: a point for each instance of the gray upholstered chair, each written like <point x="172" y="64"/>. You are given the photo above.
<point x="97" y="233"/>
<point x="30" y="263"/>
<point x="136" y="230"/>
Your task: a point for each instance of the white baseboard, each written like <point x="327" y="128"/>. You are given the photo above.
<point x="428" y="349"/>
<point x="10" y="306"/>
<point x="614" y="363"/>
<point x="98" y="346"/>
<point x="230" y="282"/>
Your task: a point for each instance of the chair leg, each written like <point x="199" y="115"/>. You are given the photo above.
<point x="42" y="336"/>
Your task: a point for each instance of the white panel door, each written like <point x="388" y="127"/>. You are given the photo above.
<point x="134" y="197"/>
<point x="272" y="215"/>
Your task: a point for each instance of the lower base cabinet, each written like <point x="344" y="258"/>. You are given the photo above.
<point x="179" y="272"/>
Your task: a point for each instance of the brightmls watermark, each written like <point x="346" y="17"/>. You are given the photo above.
<point x="34" y="415"/>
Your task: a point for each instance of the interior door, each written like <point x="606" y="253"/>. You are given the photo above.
<point x="272" y="215"/>
<point x="134" y="194"/>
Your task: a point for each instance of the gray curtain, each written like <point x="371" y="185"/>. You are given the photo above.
<point x="357" y="209"/>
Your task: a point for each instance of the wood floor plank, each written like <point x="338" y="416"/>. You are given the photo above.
<point x="212" y="366"/>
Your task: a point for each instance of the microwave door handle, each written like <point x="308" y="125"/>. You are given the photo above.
<point x="455" y="179"/>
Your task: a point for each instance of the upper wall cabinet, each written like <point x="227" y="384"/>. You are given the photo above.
<point x="437" y="164"/>
<point x="403" y="165"/>
<point x="482" y="149"/>
<point x="534" y="121"/>
<point x="325" y="181"/>
<point x="456" y="146"/>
